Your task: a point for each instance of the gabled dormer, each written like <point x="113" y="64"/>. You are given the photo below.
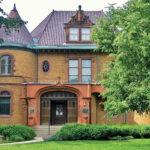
<point x="78" y="29"/>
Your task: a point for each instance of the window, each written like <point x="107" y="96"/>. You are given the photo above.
<point x="45" y="66"/>
<point x="4" y="103"/>
<point x="74" y="34"/>
<point x="85" y="34"/>
<point x="5" y="65"/>
<point x="73" y="70"/>
<point x="86" y="71"/>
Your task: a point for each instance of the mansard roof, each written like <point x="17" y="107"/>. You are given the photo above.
<point x="51" y="30"/>
<point x="20" y="36"/>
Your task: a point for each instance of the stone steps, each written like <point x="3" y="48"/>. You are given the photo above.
<point x="46" y="131"/>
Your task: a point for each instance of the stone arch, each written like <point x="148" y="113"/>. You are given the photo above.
<point x="58" y="106"/>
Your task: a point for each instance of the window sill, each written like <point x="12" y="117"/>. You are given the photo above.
<point x="5" y="75"/>
<point x="5" y="116"/>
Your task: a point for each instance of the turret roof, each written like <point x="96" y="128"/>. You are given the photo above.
<point x="16" y="36"/>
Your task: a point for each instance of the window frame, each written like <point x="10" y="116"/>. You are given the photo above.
<point x="88" y="68"/>
<point x="80" y="69"/>
<point x="85" y="35"/>
<point x="8" y="72"/>
<point x="73" y="68"/>
<point x="77" y="34"/>
<point x="10" y="102"/>
<point x="47" y="68"/>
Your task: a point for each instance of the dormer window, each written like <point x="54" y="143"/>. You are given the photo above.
<point x="78" y="28"/>
<point x="85" y="34"/>
<point x="74" y="34"/>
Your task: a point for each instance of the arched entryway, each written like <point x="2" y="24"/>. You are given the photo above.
<point x="58" y="107"/>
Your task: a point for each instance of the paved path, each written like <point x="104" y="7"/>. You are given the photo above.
<point x="36" y="139"/>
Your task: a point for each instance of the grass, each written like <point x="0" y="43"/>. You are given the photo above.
<point x="3" y="142"/>
<point x="138" y="144"/>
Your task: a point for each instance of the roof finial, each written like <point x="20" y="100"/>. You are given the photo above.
<point x="80" y="7"/>
<point x="14" y="8"/>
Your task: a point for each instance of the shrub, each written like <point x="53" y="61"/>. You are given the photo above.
<point x="17" y="133"/>
<point x="121" y="138"/>
<point x="16" y="138"/>
<point x="101" y="132"/>
<point x="145" y="132"/>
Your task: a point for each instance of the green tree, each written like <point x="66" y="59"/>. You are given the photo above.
<point x="124" y="33"/>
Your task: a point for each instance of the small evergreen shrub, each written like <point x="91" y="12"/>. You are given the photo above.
<point x="121" y="138"/>
<point x="101" y="132"/>
<point x="16" y="138"/>
<point x="145" y="132"/>
<point x="17" y="133"/>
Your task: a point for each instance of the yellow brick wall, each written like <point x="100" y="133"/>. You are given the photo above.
<point x="59" y="65"/>
<point x="26" y="69"/>
<point x="58" y="68"/>
<point x="101" y="63"/>
<point x="18" y="107"/>
<point x="98" y="116"/>
<point x="25" y="64"/>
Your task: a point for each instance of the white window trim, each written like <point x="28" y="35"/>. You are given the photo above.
<point x="85" y="34"/>
<point x="74" y="34"/>
<point x="6" y="65"/>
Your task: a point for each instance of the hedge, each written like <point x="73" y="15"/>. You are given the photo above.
<point x="101" y="132"/>
<point x="17" y="133"/>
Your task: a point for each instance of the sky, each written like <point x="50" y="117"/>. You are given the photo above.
<point x="34" y="11"/>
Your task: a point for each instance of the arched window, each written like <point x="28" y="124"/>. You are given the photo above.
<point x="5" y="65"/>
<point x="5" y="103"/>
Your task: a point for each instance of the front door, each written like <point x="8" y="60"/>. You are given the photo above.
<point x="58" y="112"/>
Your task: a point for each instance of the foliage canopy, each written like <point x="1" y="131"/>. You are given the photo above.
<point x="124" y="33"/>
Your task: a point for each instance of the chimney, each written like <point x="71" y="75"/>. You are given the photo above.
<point x="79" y="7"/>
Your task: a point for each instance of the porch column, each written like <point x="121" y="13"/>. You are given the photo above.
<point x="85" y="111"/>
<point x="32" y="115"/>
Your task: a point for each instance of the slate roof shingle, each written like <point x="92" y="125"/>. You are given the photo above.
<point x="51" y="30"/>
<point x="21" y="36"/>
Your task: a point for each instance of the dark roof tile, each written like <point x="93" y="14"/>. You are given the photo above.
<point x="51" y="30"/>
<point x="20" y="36"/>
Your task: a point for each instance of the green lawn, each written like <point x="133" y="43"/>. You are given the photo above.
<point x="143" y="144"/>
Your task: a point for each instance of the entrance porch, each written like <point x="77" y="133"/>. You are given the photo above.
<point x="58" y="107"/>
<point x="59" y="104"/>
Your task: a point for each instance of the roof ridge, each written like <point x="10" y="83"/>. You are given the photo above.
<point x="76" y="10"/>
<point x="50" y="15"/>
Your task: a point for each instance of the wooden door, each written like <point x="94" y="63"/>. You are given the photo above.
<point x="58" y="112"/>
<point x="45" y="111"/>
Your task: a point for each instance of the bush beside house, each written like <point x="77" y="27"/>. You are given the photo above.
<point x="101" y="132"/>
<point x="17" y="133"/>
